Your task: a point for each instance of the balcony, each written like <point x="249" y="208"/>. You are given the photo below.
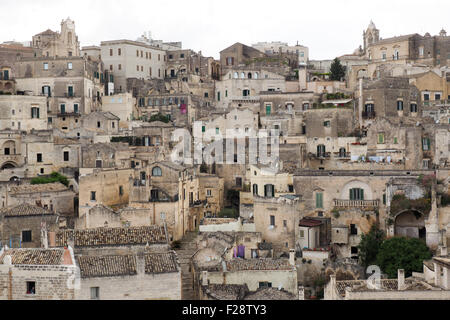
<point x="368" y="114"/>
<point x="68" y="114"/>
<point x="437" y="103"/>
<point x="246" y="98"/>
<point x="323" y="155"/>
<point x="338" y="203"/>
<point x="342" y="155"/>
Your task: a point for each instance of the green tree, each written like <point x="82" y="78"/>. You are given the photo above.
<point x="402" y="253"/>
<point x="337" y="70"/>
<point x="159" y="117"/>
<point x="370" y="245"/>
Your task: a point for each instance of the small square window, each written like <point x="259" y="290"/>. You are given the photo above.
<point x="93" y="198"/>
<point x="26" y="236"/>
<point x="31" y="287"/>
<point x="69" y="65"/>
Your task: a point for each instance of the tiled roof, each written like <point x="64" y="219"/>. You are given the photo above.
<point x="161" y="262"/>
<point x="34" y="256"/>
<point x="126" y="265"/>
<point x="226" y="291"/>
<point x="258" y="264"/>
<point x="106" y="266"/>
<point x="310" y="223"/>
<point x="30" y="188"/>
<point x="386" y="285"/>
<point x="24" y="209"/>
<point x="270" y="294"/>
<point x="112" y="236"/>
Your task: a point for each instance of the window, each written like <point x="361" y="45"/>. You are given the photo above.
<point x="218" y="96"/>
<point x="206" y="95"/>
<point x="203" y="128"/>
<point x="319" y="200"/>
<point x="69" y="65"/>
<point x="381" y="138"/>
<point x="31" y="287"/>
<point x="46" y="91"/>
<point x="162" y="215"/>
<point x="302" y="234"/>
<point x="291" y="188"/>
<point x="119" y="51"/>
<point x="285" y="223"/>
<point x="159" y="57"/>
<point x="75" y="108"/>
<point x="421" y="51"/>
<point x="120" y="190"/>
<point x="120" y="67"/>
<point x="353" y="229"/>
<point x="93" y="196"/>
<point x="34" y="113"/>
<point x="399" y="105"/>
<point x="425" y="163"/>
<point x="208" y="192"/>
<point x="272" y="221"/>
<point x="42" y="170"/>
<point x="111" y="67"/>
<point x="268" y="109"/>
<point x="327" y="124"/>
<point x="45" y="66"/>
<point x="95" y="293"/>
<point x="156" y="172"/>
<point x="383" y="56"/>
<point x="321" y="150"/>
<point x="269" y="191"/>
<point x="356" y="194"/>
<point x="98" y="124"/>
<point x="39" y="157"/>
<point x="354" y="250"/>
<point x="217" y="131"/>
<point x="26" y="236"/>
<point x="265" y="284"/>
<point x="238" y="181"/>
<point x="384" y="198"/>
<point x="426" y="96"/>
<point x="66" y="155"/>
<point x="395" y="140"/>
<point x="413" y="107"/>
<point x="70" y="91"/>
<point x="255" y="189"/>
<point x="98" y="163"/>
<point x="437" y="96"/>
<point x="425" y="144"/>
<point x="230" y="61"/>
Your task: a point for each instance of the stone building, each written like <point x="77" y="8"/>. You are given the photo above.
<point x="58" y="44"/>
<point x="132" y="59"/>
<point x="23" y="113"/>
<point x="142" y="276"/>
<point x="54" y="197"/>
<point x="26" y="226"/>
<point x="37" y="274"/>
<point x="276" y="47"/>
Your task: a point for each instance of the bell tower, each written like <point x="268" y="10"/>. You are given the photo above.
<point x="371" y="35"/>
<point x="69" y="38"/>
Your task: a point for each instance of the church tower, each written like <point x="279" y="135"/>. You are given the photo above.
<point x="68" y="38"/>
<point x="371" y="35"/>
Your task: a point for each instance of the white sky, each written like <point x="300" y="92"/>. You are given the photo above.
<point x="328" y="27"/>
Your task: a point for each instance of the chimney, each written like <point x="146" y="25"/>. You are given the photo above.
<point x="51" y="239"/>
<point x="292" y="257"/>
<point x="401" y="279"/>
<point x="204" y="278"/>
<point x="140" y="264"/>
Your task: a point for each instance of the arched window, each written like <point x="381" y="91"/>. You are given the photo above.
<point x="249" y="75"/>
<point x="156" y="172"/>
<point x="342" y="152"/>
<point x="356" y="194"/>
<point x="242" y="75"/>
<point x="256" y="75"/>
<point x="236" y="75"/>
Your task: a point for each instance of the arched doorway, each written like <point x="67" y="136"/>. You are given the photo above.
<point x="410" y="223"/>
<point x="8" y="165"/>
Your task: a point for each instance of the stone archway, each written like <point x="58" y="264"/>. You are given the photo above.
<point x="410" y="223"/>
<point x="8" y="165"/>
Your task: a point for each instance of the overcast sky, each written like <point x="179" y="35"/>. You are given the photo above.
<point x="328" y="27"/>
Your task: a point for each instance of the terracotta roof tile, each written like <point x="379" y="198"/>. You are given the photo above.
<point x="34" y="256"/>
<point x="112" y="236"/>
<point x="106" y="266"/>
<point x="24" y="209"/>
<point x="161" y="262"/>
<point x="258" y="264"/>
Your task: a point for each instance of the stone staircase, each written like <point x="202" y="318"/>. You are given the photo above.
<point x="185" y="252"/>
